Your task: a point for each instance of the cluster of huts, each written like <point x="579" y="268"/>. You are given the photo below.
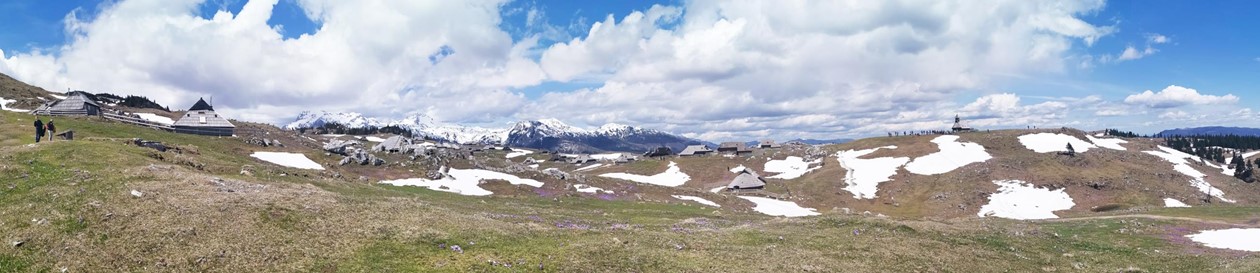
<point x="729" y="148"/>
<point x="200" y="119"/>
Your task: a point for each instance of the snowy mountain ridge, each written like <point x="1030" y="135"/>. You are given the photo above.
<point x="541" y="134"/>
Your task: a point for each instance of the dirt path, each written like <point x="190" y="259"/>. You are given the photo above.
<point x="1149" y="216"/>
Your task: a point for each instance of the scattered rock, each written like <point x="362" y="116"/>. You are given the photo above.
<point x="18" y="243"/>
<point x="341" y="147"/>
<point x="137" y="193"/>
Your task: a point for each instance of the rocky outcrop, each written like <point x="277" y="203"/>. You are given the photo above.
<point x="341" y="147"/>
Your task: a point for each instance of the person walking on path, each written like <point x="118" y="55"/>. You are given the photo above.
<point x="52" y="130"/>
<point x="39" y="129"/>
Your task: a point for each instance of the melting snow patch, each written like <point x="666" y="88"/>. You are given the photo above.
<point x="790" y="168"/>
<point x="292" y="160"/>
<point x="1047" y="143"/>
<point x="518" y="152"/>
<point x="1109" y="143"/>
<point x="374" y="139"/>
<point x="1235" y="238"/>
<point x="863" y="176"/>
<point x="1174" y="203"/>
<point x="590" y="189"/>
<point x="672" y="177"/>
<point x="464" y="181"/>
<point x="698" y="200"/>
<point x="953" y="155"/>
<point x="718" y="189"/>
<point x="4" y="102"/>
<point x="779" y="208"/>
<point x="587" y="168"/>
<point x="1180" y="164"/>
<point x="156" y="118"/>
<point x="611" y="156"/>
<point x="738" y="169"/>
<point x="1019" y="200"/>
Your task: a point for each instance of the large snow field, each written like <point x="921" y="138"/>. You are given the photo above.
<point x="518" y="152"/>
<point x="1048" y="143"/>
<point x="464" y="182"/>
<point x="1182" y="165"/>
<point x="156" y="118"/>
<point x="773" y="207"/>
<point x="1109" y="143"/>
<point x="1019" y="200"/>
<point x="790" y="168"/>
<point x="292" y="160"/>
<point x="1174" y="203"/>
<point x="953" y="155"/>
<point x="862" y="176"/>
<point x="697" y="200"/>
<point x="1245" y="239"/>
<point x="672" y="177"/>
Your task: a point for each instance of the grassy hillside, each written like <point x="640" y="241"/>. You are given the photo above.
<point x="70" y="205"/>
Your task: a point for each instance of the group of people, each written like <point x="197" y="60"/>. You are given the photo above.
<point x="42" y="128"/>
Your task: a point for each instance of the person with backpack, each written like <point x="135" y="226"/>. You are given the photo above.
<point x="52" y="130"/>
<point x="39" y="129"/>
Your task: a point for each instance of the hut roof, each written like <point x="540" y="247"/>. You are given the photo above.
<point x="747" y="179"/>
<point x="736" y="146"/>
<point x="201" y="105"/>
<point x="695" y="149"/>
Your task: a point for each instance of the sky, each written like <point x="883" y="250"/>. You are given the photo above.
<point x="712" y="70"/>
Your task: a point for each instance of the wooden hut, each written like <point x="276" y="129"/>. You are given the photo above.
<point x="695" y="150"/>
<point x="76" y="103"/>
<point x="747" y="180"/>
<point x="202" y="120"/>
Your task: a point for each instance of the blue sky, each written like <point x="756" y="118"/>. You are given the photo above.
<point x="714" y="70"/>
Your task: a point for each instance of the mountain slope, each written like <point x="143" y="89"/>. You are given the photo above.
<point x="19" y="95"/>
<point x="1211" y="130"/>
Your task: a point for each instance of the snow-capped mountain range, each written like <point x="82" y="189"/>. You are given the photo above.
<point x="548" y="134"/>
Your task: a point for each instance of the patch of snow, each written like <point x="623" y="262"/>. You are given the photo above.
<point x="610" y="156"/>
<point x="718" y="189"/>
<point x="137" y="193"/>
<point x="587" y="168"/>
<point x="518" y="152"/>
<point x="1109" y="143"/>
<point x="156" y="118"/>
<point x="953" y="155"/>
<point x="1182" y="165"/>
<point x="465" y="182"/>
<point x="292" y="160"/>
<point x="590" y="189"/>
<point x="1235" y="238"/>
<point x="4" y="102"/>
<point x="334" y="135"/>
<point x="672" y="177"/>
<point x="738" y="169"/>
<point x="1048" y="143"/>
<point x="1174" y="203"/>
<point x="791" y="168"/>
<point x="773" y="207"/>
<point x="862" y="176"/>
<point x="60" y="97"/>
<point x="1019" y="200"/>
<point x="534" y="166"/>
<point x="374" y="139"/>
<point x="697" y="200"/>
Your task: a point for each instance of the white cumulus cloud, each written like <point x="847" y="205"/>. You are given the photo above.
<point x="1176" y="96"/>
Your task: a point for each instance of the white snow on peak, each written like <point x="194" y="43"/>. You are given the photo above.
<point x="862" y="176"/>
<point x="953" y="155"/>
<point x="308" y="119"/>
<point x="156" y="118"/>
<point x="672" y="177"/>
<point x="465" y="182"/>
<point x="1109" y="143"/>
<point x="697" y="199"/>
<point x="1048" y="142"/>
<point x="774" y="207"/>
<point x="790" y="168"/>
<point x="1019" y="200"/>
<point x="1235" y="238"/>
<point x="1174" y="203"/>
<point x="1182" y="165"/>
<point x="292" y="160"/>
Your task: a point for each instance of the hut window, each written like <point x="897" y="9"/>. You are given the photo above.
<point x="203" y="120"/>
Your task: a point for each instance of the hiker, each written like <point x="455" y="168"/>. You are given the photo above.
<point x="39" y="129"/>
<point x="52" y="130"/>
